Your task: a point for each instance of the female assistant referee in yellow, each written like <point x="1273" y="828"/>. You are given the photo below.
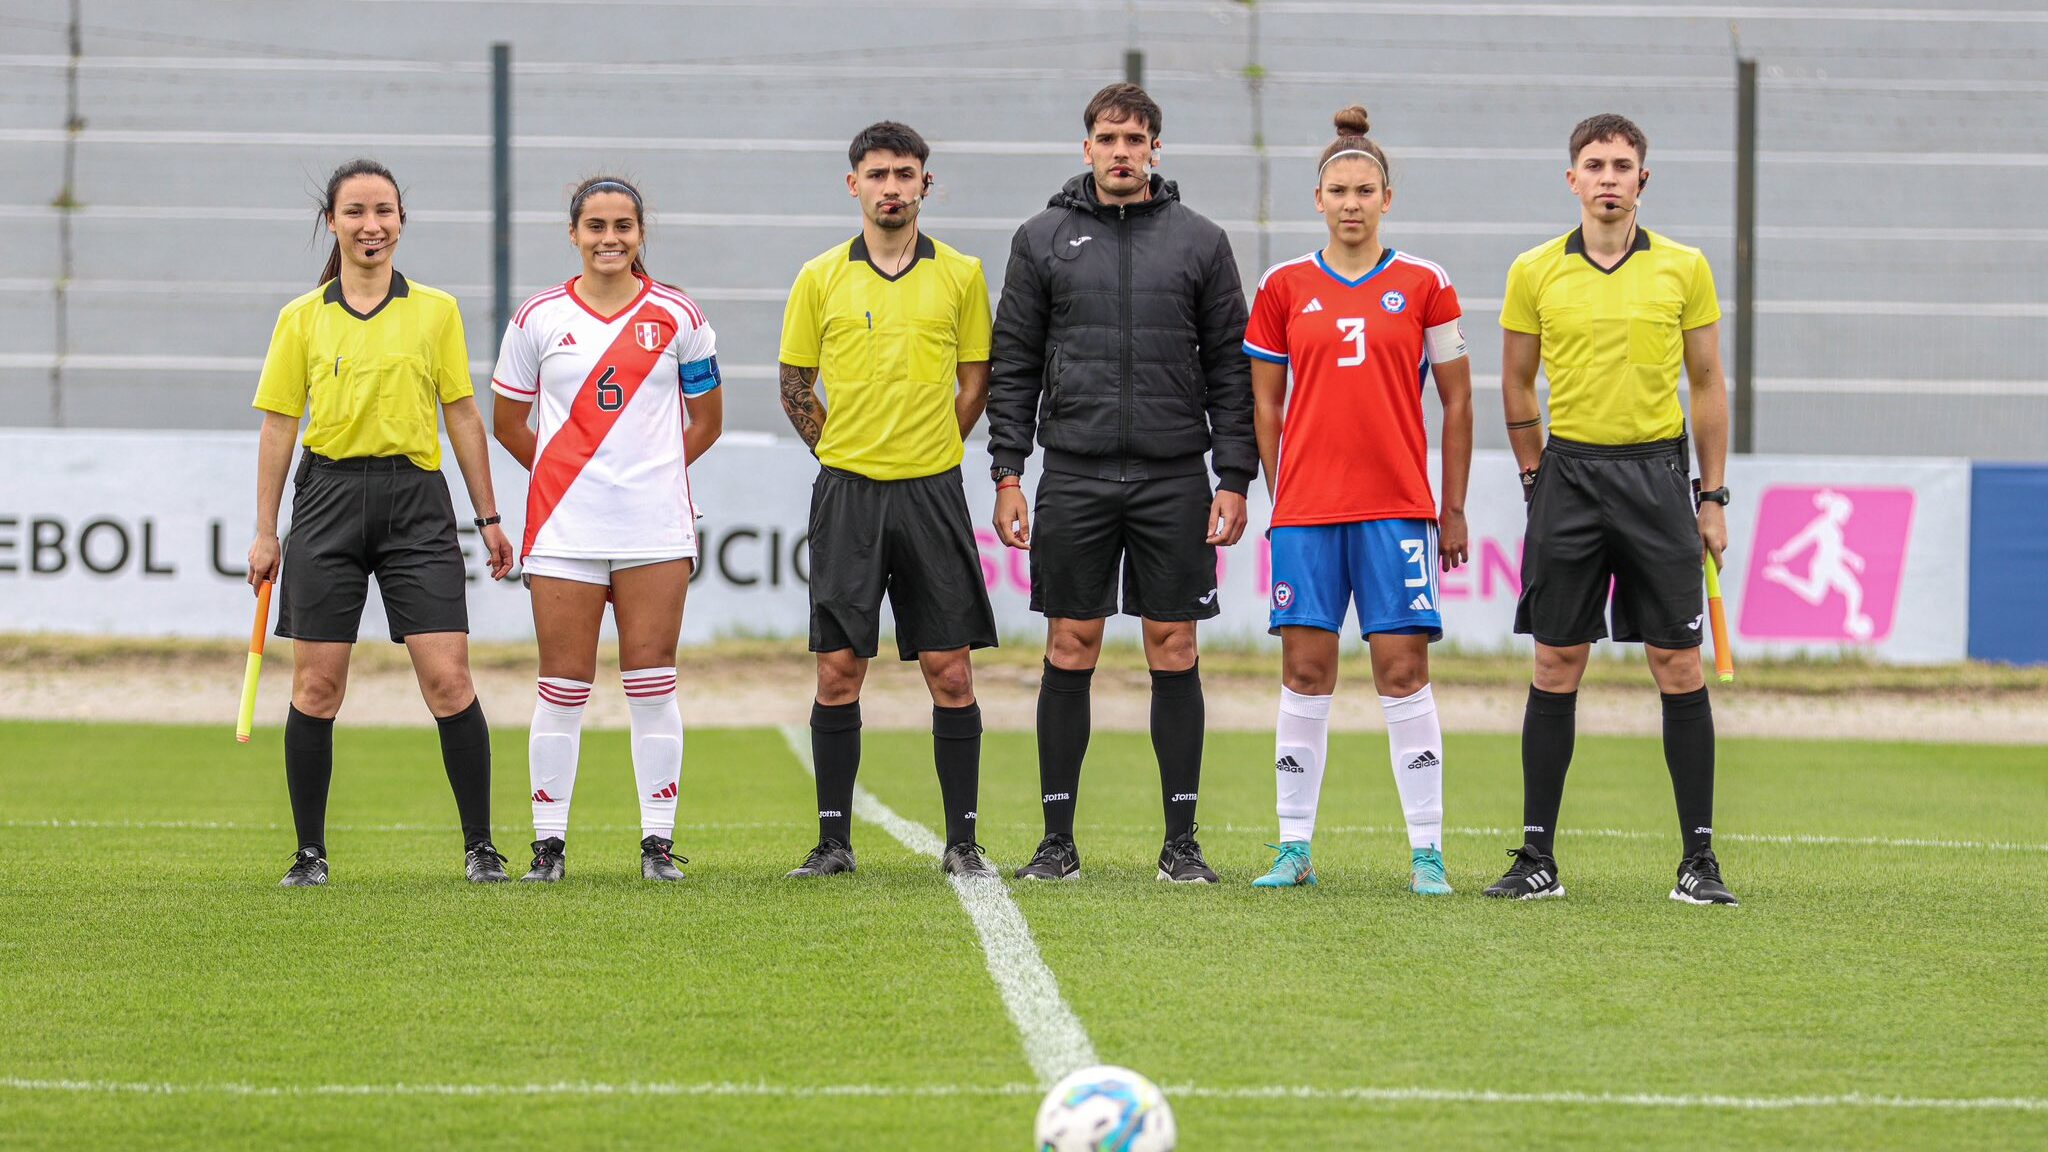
<point x="364" y="357"/>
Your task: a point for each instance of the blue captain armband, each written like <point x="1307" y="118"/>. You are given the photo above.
<point x="700" y="376"/>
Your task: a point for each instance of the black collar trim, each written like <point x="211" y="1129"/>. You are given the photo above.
<point x="1576" y="242"/>
<point x="926" y="250"/>
<point x="398" y="288"/>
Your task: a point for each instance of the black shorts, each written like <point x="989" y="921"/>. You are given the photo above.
<point x="351" y="518"/>
<point x="909" y="539"/>
<point x="1620" y="512"/>
<point x="1158" y="529"/>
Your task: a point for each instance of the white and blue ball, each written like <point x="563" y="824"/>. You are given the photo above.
<point x="1105" y="1109"/>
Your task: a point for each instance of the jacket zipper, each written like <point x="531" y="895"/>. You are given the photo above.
<point x="1124" y="308"/>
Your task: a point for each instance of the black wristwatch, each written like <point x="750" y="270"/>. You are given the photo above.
<point x="487" y="521"/>
<point x="1710" y="496"/>
<point x="1001" y="471"/>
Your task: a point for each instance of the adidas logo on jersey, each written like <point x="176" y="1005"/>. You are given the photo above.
<point x="567" y="339"/>
<point x="1420" y="603"/>
<point x="1289" y="764"/>
<point x="1315" y="304"/>
<point x="1427" y="759"/>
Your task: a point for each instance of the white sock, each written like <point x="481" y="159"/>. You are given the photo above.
<point x="552" y="747"/>
<point x="1302" y="740"/>
<point x="657" y="746"/>
<point x="1415" y="741"/>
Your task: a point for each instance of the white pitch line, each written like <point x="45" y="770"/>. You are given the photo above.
<point x="1731" y="837"/>
<point x="1789" y="838"/>
<point x="236" y="826"/>
<point x="761" y="1089"/>
<point x="1055" y="1043"/>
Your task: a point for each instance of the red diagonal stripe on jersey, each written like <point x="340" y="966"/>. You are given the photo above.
<point x="572" y="446"/>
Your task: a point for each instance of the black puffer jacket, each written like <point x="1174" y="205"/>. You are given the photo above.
<point x="1119" y="343"/>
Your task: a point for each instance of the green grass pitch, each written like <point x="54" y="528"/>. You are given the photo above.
<point x="158" y="990"/>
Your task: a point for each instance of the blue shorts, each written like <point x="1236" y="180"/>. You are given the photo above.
<point x="1388" y="568"/>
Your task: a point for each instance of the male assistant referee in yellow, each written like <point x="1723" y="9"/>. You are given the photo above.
<point x="1612" y="311"/>
<point x="893" y="327"/>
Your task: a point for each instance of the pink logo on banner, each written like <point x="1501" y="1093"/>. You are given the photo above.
<point x="1826" y="562"/>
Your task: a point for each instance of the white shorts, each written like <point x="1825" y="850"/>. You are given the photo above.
<point x="584" y="570"/>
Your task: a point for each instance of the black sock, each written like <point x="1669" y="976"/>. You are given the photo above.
<point x="308" y="767"/>
<point x="1178" y="718"/>
<point x="1063" y="724"/>
<point x="1689" y="754"/>
<point x="835" y="752"/>
<point x="1549" y="724"/>
<point x="466" y="754"/>
<point x="956" y="750"/>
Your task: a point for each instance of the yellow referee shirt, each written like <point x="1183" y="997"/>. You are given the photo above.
<point x="887" y="350"/>
<point x="373" y="377"/>
<point x="1613" y="339"/>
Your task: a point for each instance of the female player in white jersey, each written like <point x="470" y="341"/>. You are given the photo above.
<point x="612" y="360"/>
<point x="1354" y="521"/>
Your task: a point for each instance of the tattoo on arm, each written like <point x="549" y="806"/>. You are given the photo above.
<point x="1518" y="425"/>
<point x="800" y="402"/>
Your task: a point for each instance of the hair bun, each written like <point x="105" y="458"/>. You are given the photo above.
<point x="1352" y="121"/>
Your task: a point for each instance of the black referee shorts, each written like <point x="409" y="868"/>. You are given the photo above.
<point x="907" y="539"/>
<point x="1157" y="530"/>
<point x="1620" y="513"/>
<point x="363" y="515"/>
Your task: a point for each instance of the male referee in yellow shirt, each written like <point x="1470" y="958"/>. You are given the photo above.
<point x="1612" y="311"/>
<point x="894" y="327"/>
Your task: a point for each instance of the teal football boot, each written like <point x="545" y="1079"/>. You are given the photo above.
<point x="1426" y="873"/>
<point x="1291" y="869"/>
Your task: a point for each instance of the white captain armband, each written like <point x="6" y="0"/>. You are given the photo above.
<point x="1445" y="343"/>
<point x="701" y="376"/>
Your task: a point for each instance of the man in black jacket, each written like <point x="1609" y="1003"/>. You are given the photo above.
<point x="1118" y="344"/>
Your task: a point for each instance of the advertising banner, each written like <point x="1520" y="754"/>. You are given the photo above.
<point x="134" y="533"/>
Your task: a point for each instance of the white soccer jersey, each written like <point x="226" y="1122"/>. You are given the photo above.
<point x="608" y="478"/>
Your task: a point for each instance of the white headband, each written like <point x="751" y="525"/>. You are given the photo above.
<point x="1354" y="152"/>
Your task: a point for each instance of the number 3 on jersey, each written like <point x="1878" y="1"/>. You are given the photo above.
<point x="1352" y="328"/>
<point x="610" y="397"/>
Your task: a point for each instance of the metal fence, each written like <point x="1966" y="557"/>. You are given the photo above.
<point x="158" y="166"/>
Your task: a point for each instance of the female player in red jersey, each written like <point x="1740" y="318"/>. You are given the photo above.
<point x="1347" y="463"/>
<point x="607" y="364"/>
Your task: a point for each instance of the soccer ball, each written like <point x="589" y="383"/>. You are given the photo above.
<point x="1105" y="1109"/>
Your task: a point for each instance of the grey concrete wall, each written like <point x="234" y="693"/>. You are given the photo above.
<point x="1903" y="310"/>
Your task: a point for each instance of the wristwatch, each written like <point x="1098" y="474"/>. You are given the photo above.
<point x="1710" y="496"/>
<point x="1001" y="472"/>
<point x="487" y="521"/>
